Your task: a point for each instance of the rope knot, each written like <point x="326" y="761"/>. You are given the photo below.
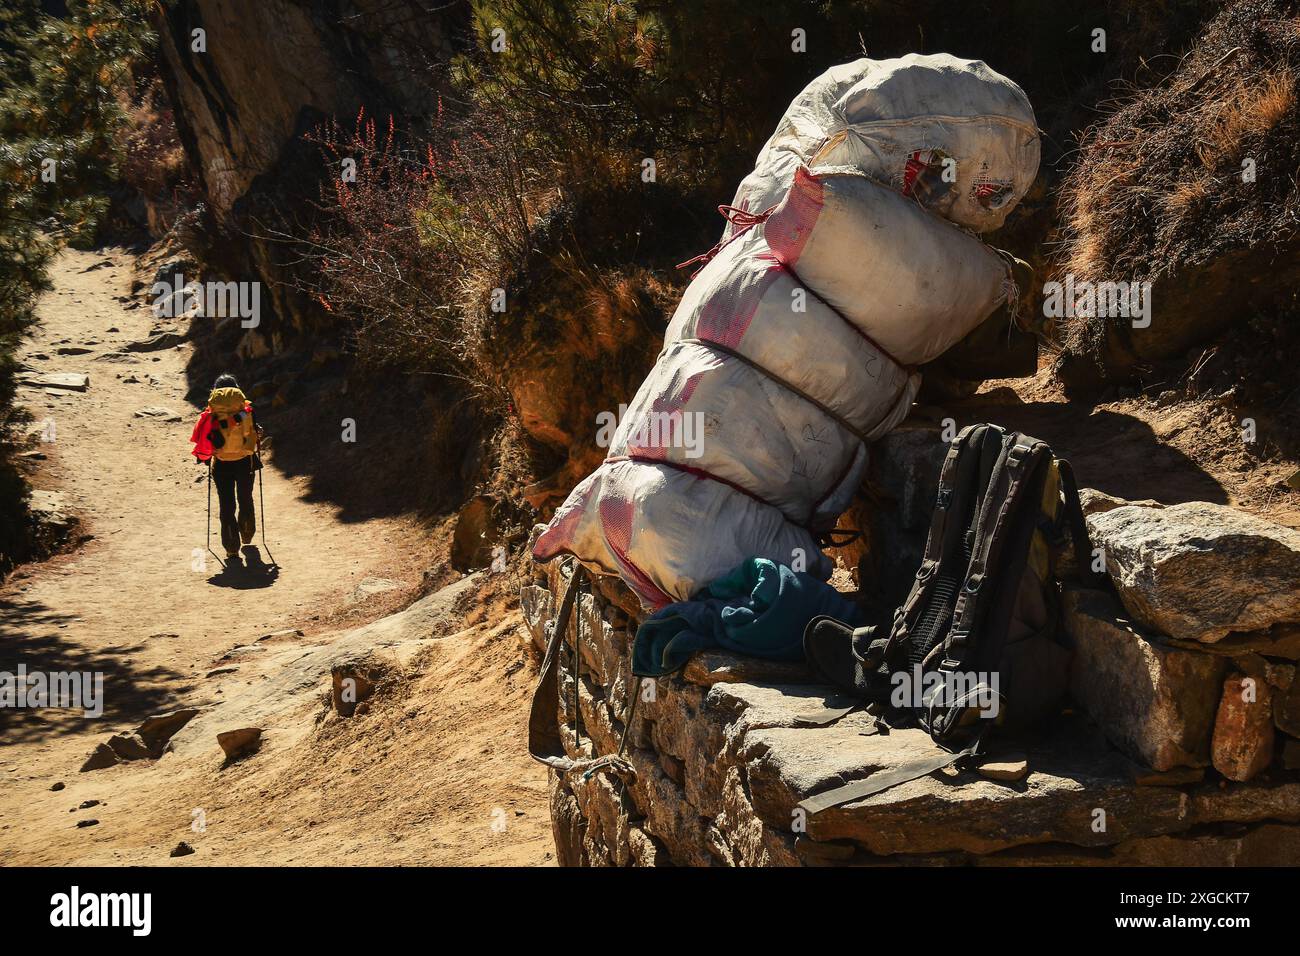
<point x="742" y="219"/>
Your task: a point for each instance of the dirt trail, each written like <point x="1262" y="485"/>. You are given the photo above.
<point x="133" y="603"/>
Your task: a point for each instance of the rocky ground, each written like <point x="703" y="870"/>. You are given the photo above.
<point x="430" y="769"/>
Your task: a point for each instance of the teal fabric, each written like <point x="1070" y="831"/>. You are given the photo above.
<point x="760" y="608"/>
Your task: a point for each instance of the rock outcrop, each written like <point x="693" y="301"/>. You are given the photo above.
<point x="243" y="84"/>
<point x="1200" y="571"/>
<point x="246" y="81"/>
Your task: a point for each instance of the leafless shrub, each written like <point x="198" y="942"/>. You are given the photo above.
<point x="411" y="234"/>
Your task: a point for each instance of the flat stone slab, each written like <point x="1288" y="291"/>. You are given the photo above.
<point x="157" y="413"/>
<point x="72" y="381"/>
<point x="156" y="343"/>
<point x="1074" y="792"/>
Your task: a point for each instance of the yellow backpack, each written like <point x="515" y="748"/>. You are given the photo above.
<point x="233" y="417"/>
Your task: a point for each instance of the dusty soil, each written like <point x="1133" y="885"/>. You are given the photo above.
<point x="1170" y="446"/>
<point x="426" y="776"/>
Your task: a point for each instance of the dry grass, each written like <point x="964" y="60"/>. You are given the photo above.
<point x="1158" y="183"/>
<point x="1186" y="194"/>
<point x="1251" y="108"/>
<point x="154" y="161"/>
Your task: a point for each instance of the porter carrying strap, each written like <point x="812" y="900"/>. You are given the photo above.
<point x="544" y="742"/>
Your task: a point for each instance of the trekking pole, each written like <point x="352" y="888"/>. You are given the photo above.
<point x="261" y="505"/>
<point x="207" y="538"/>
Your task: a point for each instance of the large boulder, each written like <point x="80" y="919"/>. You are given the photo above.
<point x="1157" y="703"/>
<point x="1200" y="571"/>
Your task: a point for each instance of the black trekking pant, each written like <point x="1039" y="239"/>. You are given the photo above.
<point x="234" y="480"/>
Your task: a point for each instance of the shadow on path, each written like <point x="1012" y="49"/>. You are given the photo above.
<point x="248" y="572"/>
<point x="44" y="641"/>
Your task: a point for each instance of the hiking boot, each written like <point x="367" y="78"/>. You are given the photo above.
<point x="847" y="657"/>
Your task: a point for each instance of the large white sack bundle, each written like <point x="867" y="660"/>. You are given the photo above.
<point x="765" y="390"/>
<point x="669" y="533"/>
<point x="783" y="402"/>
<point x="757" y="415"/>
<point x="898" y="122"/>
<point x="915" y="283"/>
<point x="745" y="301"/>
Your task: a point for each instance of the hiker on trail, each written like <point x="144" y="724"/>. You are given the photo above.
<point x="227" y="437"/>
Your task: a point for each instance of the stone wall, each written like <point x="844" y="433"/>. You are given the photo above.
<point x="1191" y="664"/>
<point x="1177" y="750"/>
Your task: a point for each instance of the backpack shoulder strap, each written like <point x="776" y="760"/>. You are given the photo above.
<point x="1079" y="537"/>
<point x="1012" y="475"/>
<point x="958" y="482"/>
<point x="884" y="779"/>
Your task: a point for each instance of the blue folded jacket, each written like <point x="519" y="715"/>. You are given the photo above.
<point x="760" y="608"/>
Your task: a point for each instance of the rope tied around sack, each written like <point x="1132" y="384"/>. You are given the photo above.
<point x="1010" y="291"/>
<point x="742" y="219"/>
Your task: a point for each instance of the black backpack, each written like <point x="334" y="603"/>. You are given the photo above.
<point x="975" y="644"/>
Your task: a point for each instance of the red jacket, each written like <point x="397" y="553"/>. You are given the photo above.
<point x="203" y="449"/>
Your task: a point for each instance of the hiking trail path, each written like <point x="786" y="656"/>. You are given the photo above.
<point x="132" y="602"/>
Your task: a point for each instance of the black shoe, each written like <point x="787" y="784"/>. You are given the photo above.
<point x="838" y="653"/>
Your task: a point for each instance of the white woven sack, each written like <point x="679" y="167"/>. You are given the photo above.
<point x="913" y="282"/>
<point x="668" y="533"/>
<point x="952" y="133"/>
